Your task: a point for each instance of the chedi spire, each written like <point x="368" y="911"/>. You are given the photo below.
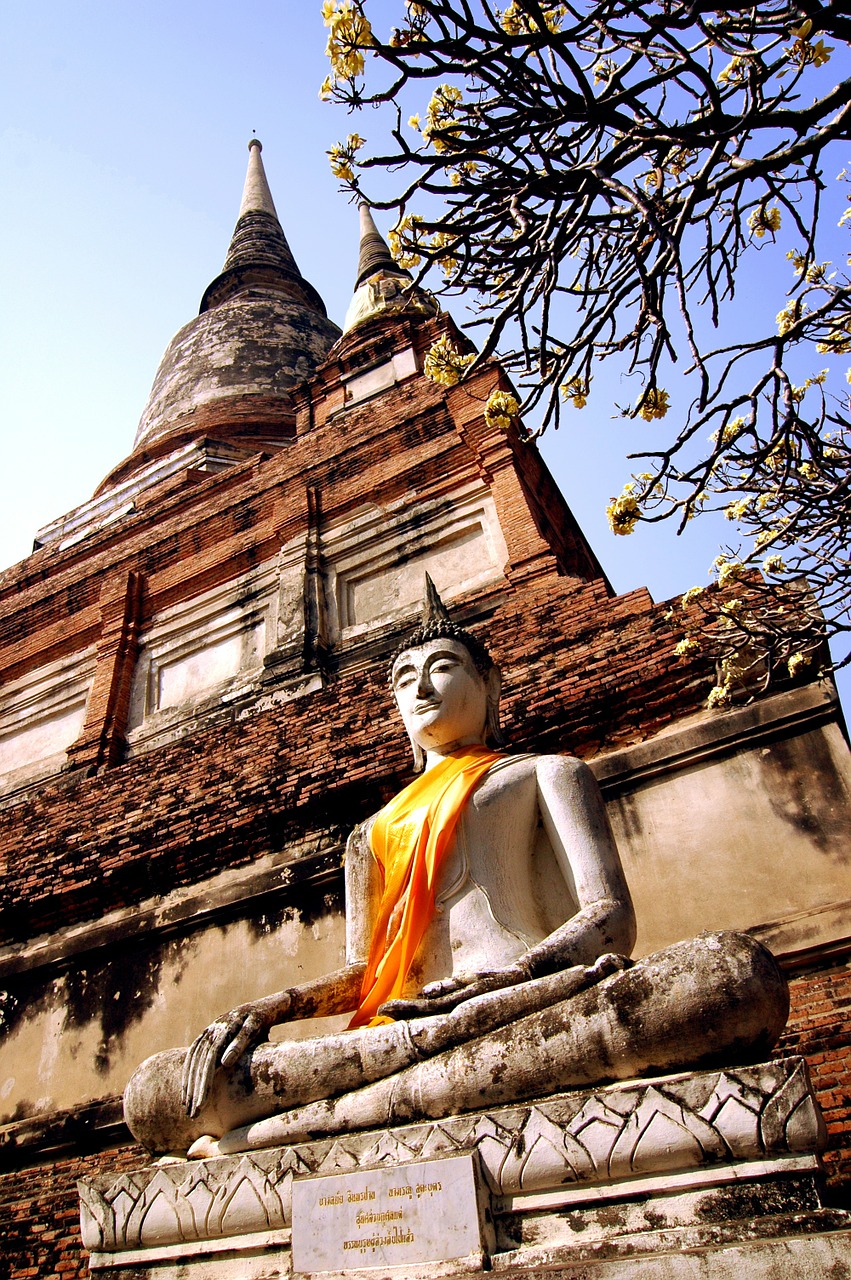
<point x="258" y="251"/>
<point x="381" y="285"/>
<point x="374" y="254"/>
<point x="230" y="372"/>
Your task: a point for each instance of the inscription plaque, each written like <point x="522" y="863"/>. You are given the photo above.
<point x="413" y="1213"/>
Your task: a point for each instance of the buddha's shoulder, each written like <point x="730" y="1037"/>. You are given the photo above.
<point x="539" y="765"/>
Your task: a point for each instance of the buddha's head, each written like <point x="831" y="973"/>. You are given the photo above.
<point x="446" y="685"/>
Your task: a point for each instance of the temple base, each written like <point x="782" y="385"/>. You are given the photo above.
<point x="694" y="1175"/>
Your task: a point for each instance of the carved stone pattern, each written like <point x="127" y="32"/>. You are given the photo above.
<point x="604" y="1135"/>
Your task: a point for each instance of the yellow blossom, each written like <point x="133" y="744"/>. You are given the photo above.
<point x="445" y="364"/>
<point x="727" y="434"/>
<point x="441" y="114"/>
<point x="820" y="53"/>
<point x="624" y="512"/>
<point x="444" y="240"/>
<point x="791" y="313"/>
<point x="342" y="155"/>
<point x="350" y="33"/>
<point x="719" y="696"/>
<point x="795" y="663"/>
<point x="798" y="261"/>
<point x="728" y="570"/>
<point x="773" y="564"/>
<point x="414" y="121"/>
<point x="404" y="239"/>
<point x="736" y="510"/>
<point x="515" y="22"/>
<point x="686" y="647"/>
<point x="501" y="408"/>
<point x="679" y="160"/>
<point x="691" y="595"/>
<point x="576" y="391"/>
<point x="762" y="220"/>
<point x="735" y="72"/>
<point x="653" y="404"/>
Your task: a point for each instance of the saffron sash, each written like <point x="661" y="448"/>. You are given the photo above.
<point x="410" y="838"/>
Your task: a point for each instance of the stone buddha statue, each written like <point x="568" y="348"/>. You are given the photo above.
<point x="489" y="926"/>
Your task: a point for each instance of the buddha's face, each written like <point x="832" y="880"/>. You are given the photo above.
<point x="442" y="698"/>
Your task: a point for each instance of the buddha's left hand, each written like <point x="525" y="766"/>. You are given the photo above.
<point x="222" y="1044"/>
<point x="448" y="993"/>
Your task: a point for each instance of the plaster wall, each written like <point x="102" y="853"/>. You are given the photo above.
<point x="754" y="840"/>
<point x="84" y="1027"/>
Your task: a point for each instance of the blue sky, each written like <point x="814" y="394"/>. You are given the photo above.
<point x="123" y="132"/>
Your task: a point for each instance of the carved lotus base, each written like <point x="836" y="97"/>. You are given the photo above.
<point x="703" y="1174"/>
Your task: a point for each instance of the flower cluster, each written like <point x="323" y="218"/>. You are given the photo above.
<point x="342" y="157"/>
<point x="444" y="241"/>
<point x="762" y="220"/>
<point x="349" y="34"/>
<point x="719" y="696"/>
<point x="686" y="647"/>
<point x="445" y="364"/>
<point x="405" y="239"/>
<point x="624" y="512"/>
<point x="735" y="72"/>
<point x="796" y="663"/>
<point x="803" y="51"/>
<point x="727" y="434"/>
<point x="576" y="391"/>
<point x="441" y="115"/>
<point x="693" y="593"/>
<point x="790" y="315"/>
<point x="653" y="404"/>
<point x="501" y="408"/>
<point x="516" y="22"/>
<point x="728" y="570"/>
<point x="838" y="341"/>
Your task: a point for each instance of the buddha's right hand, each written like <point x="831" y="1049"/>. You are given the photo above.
<point x="222" y="1044"/>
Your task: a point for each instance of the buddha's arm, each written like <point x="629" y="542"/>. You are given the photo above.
<point x="225" y="1041"/>
<point x="576" y="822"/>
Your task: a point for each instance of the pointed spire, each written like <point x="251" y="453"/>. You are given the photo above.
<point x="374" y="253"/>
<point x="382" y="286"/>
<point x="259" y="254"/>
<point x="256" y="196"/>
<point x="434" y="610"/>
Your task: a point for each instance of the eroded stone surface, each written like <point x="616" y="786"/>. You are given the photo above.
<point x="700" y="1120"/>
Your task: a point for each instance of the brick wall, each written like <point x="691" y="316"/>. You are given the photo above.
<point x="40" y="1215"/>
<point x="818" y="1028"/>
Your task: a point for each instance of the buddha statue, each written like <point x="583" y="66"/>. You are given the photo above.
<point x="489" y="926"/>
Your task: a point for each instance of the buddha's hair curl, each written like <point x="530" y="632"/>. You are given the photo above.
<point x="446" y="630"/>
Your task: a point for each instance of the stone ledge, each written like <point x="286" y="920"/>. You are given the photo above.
<point x="609" y="1135"/>
<point x="712" y="733"/>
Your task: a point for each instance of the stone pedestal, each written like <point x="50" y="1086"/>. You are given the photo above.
<point x="702" y="1174"/>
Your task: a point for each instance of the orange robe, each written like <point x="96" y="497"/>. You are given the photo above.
<point x="410" y="838"/>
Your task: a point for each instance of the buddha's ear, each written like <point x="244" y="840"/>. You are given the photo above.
<point x="419" y="755"/>
<point x="493" y="685"/>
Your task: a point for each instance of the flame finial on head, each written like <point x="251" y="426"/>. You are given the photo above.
<point x="434" y="610"/>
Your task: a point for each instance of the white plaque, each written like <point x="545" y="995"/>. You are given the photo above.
<point x="407" y="1214"/>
